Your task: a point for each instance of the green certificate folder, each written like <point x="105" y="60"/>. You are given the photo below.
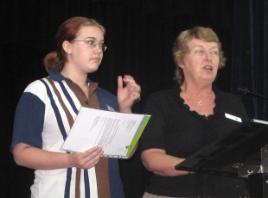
<point x="117" y="133"/>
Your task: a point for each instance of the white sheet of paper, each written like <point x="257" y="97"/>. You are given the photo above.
<point x="113" y="131"/>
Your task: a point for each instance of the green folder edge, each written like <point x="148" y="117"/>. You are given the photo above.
<point x="138" y="134"/>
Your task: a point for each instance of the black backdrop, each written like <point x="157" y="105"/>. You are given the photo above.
<point x="250" y="53"/>
<point x="139" y="36"/>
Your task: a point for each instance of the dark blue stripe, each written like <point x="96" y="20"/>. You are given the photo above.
<point x="68" y="183"/>
<point x="87" y="186"/>
<point x="56" y="111"/>
<point x="69" y="98"/>
<point x="64" y="135"/>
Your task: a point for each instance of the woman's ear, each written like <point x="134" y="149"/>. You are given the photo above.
<point x="67" y="47"/>
<point x="180" y="64"/>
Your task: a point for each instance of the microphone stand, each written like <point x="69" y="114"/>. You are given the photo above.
<point x="258" y="182"/>
<point x="246" y="91"/>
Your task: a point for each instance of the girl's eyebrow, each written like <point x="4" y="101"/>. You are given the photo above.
<point x="93" y="38"/>
<point x="90" y="37"/>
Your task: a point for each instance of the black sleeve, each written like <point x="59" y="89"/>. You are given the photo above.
<point x="153" y="136"/>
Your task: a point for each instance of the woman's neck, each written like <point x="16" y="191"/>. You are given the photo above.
<point x="196" y="90"/>
<point x="199" y="98"/>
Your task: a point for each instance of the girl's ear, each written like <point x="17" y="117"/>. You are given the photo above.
<point x="67" y="47"/>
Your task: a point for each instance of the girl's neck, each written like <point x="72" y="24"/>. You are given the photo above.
<point x="77" y="77"/>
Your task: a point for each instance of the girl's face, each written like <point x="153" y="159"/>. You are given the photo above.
<point x="85" y="52"/>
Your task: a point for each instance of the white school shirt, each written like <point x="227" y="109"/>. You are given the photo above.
<point x="36" y="100"/>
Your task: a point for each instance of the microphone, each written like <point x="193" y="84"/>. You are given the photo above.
<point x="243" y="90"/>
<point x="246" y="91"/>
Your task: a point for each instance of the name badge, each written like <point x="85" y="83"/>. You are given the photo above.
<point x="232" y="117"/>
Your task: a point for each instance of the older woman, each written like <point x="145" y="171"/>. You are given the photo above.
<point x="188" y="117"/>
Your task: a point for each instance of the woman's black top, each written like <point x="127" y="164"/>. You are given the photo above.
<point x="181" y="132"/>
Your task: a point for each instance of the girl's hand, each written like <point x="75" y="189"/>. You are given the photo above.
<point x="86" y="159"/>
<point x="128" y="92"/>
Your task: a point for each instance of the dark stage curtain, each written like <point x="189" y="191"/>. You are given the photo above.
<point x="250" y="54"/>
<point x="250" y="69"/>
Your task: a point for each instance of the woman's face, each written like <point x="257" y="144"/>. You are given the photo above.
<point x="201" y="62"/>
<point x="86" y="51"/>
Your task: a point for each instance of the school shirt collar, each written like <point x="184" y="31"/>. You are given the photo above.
<point x="57" y="76"/>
